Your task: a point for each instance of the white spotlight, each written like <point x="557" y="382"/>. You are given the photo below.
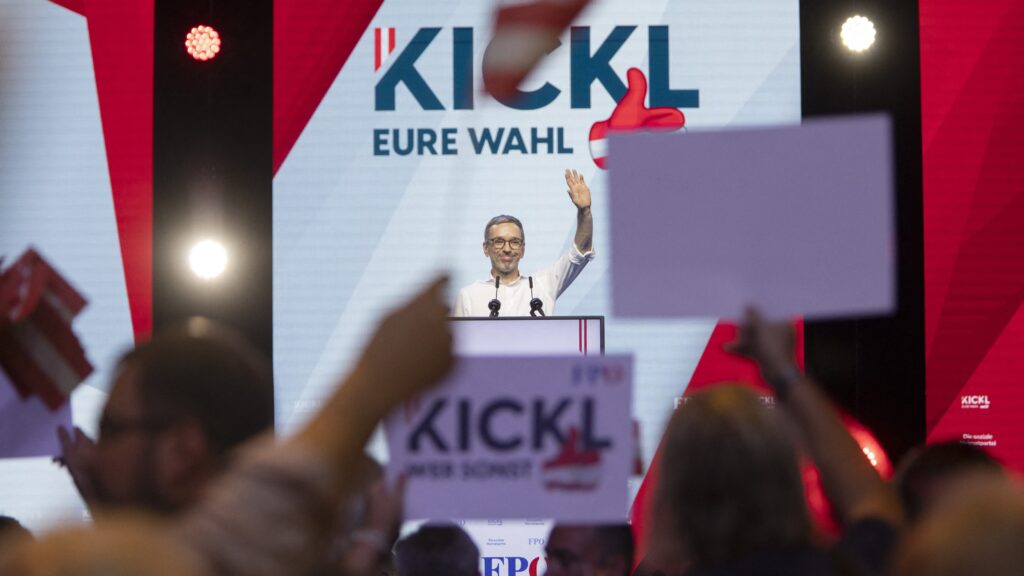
<point x="858" y="33"/>
<point x="208" y="259"/>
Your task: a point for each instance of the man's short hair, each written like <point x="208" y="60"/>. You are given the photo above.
<point x="730" y="480"/>
<point x="208" y="373"/>
<point x="615" y="540"/>
<point x="504" y="219"/>
<point x="922" y="471"/>
<point x="437" y="549"/>
<point x="12" y="532"/>
<point x="977" y="533"/>
<point x="607" y="541"/>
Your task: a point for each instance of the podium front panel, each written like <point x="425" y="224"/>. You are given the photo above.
<point x="554" y="335"/>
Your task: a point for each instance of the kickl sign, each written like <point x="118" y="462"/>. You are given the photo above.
<point x="519" y="437"/>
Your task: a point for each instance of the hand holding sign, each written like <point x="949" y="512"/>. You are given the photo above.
<point x="770" y="344"/>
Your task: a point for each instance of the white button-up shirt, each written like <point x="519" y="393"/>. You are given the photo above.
<point x="548" y="285"/>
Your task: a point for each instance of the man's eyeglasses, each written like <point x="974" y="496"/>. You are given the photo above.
<point x="113" y="427"/>
<point x="499" y="243"/>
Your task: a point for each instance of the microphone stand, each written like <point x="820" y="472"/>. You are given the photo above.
<point x="495" y="304"/>
<point x="536" y="304"/>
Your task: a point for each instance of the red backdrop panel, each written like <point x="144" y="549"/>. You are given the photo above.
<point x="973" y="156"/>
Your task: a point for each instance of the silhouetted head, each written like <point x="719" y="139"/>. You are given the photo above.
<point x="179" y="405"/>
<point x="730" y="482"/>
<point x="437" y="549"/>
<point x="925" y="477"/>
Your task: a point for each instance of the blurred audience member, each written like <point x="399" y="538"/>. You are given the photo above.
<point x="586" y="550"/>
<point x="437" y="550"/>
<point x="126" y="546"/>
<point x="272" y="512"/>
<point x="180" y="404"/>
<point x="368" y="526"/>
<point x="978" y="531"/>
<point x="927" y="476"/>
<point x="730" y="492"/>
<point x="12" y="533"/>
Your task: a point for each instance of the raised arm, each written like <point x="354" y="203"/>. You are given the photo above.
<point x="579" y="193"/>
<point x="272" y="512"/>
<point x="410" y="351"/>
<point x="852" y="484"/>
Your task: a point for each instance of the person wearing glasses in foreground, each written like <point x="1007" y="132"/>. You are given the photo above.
<point x="272" y="512"/>
<point x="505" y="245"/>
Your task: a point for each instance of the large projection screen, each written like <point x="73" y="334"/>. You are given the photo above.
<point x="401" y="164"/>
<point x="358" y="224"/>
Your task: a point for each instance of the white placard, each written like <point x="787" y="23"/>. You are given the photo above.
<point x="519" y="437"/>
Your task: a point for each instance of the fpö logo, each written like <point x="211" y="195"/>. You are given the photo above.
<point x="589" y="62"/>
<point x="592" y="374"/>
<point x="975" y="402"/>
<point x="511" y="566"/>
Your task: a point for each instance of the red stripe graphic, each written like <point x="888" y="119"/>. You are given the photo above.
<point x="121" y="36"/>
<point x="312" y="41"/>
<point x="380" y="52"/>
<point x="376" y="49"/>
<point x="586" y="338"/>
<point x="73" y="5"/>
<point x="580" y="328"/>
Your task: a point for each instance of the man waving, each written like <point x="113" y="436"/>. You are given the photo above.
<point x="505" y="245"/>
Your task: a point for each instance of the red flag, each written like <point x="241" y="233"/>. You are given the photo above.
<point x="524" y="33"/>
<point x="39" y="352"/>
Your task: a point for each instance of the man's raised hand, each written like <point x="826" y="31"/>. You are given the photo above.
<point x="579" y="192"/>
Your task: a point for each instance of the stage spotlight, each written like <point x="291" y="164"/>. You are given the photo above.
<point x="202" y="43"/>
<point x="208" y="259"/>
<point x="858" y="33"/>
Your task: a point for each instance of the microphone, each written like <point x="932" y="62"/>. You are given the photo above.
<point x="495" y="304"/>
<point x="536" y="304"/>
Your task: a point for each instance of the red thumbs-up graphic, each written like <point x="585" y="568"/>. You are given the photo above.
<point x="631" y="114"/>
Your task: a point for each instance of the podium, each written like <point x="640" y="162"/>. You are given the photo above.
<point x="515" y="335"/>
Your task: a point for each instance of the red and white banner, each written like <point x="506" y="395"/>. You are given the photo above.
<point x="383" y="46"/>
<point x="39" y="352"/>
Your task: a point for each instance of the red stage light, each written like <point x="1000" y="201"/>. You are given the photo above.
<point x="202" y="43"/>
